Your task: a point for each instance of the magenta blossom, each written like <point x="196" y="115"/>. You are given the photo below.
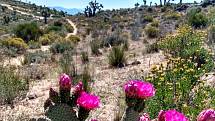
<point x="88" y="101"/>
<point x="144" y="117"/>
<point x="79" y="88"/>
<point x="139" y="89"/>
<point x="65" y="82"/>
<point x="206" y="115"/>
<point x="171" y="115"/>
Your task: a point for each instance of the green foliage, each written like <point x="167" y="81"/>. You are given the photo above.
<point x="152" y="32"/>
<point x="34" y="45"/>
<point x="37" y="57"/>
<point x="117" y="57"/>
<point x="61" y="47"/>
<point x="84" y="57"/>
<point x="95" y="45"/>
<point x="177" y="81"/>
<point x="67" y="64"/>
<point x="116" y="39"/>
<point x="148" y="18"/>
<point x="196" y="18"/>
<point x="17" y="43"/>
<point x="74" y="39"/>
<point x="28" y="31"/>
<point x="155" y="23"/>
<point x="11" y="85"/>
<point x="173" y="15"/>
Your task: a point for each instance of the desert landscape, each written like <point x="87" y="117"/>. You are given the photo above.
<point x="150" y="62"/>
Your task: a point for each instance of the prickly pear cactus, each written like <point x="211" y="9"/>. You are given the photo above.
<point x="61" y="112"/>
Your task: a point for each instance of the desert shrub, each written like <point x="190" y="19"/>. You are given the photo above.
<point x="151" y="48"/>
<point x="115" y="39"/>
<point x="151" y="32"/>
<point x="117" y="57"/>
<point x="34" y="45"/>
<point x="74" y="39"/>
<point x="35" y="72"/>
<point x="69" y="28"/>
<point x="178" y="80"/>
<point x="155" y="23"/>
<point x="61" y="47"/>
<point x="163" y="9"/>
<point x="84" y="57"/>
<point x="173" y="15"/>
<point x="211" y="35"/>
<point x="53" y="28"/>
<point x="11" y="85"/>
<point x="95" y="45"/>
<point x="148" y="18"/>
<point x="38" y="57"/>
<point x="17" y="43"/>
<point x="49" y="38"/>
<point x="28" y="31"/>
<point x="135" y="33"/>
<point x="196" y="18"/>
<point x="67" y="64"/>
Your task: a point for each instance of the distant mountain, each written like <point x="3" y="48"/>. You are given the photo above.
<point x="71" y="11"/>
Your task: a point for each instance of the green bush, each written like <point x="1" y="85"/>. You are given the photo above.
<point x="115" y="39"/>
<point x="178" y="80"/>
<point x="16" y="43"/>
<point x="34" y="45"/>
<point x="196" y="18"/>
<point x="173" y="15"/>
<point x="28" y="31"/>
<point x="148" y="18"/>
<point x="152" y="32"/>
<point x="61" y="47"/>
<point x="155" y="23"/>
<point x="11" y="85"/>
<point x="37" y="57"/>
<point x="95" y="45"/>
<point x="74" y="39"/>
<point x="117" y="57"/>
<point x="67" y="64"/>
<point x="84" y="57"/>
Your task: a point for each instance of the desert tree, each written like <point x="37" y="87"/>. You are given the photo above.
<point x="93" y="7"/>
<point x="136" y="5"/>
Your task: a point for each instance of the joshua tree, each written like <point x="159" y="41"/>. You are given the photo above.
<point x="6" y="19"/>
<point x="150" y="4"/>
<point x="180" y="2"/>
<point x="90" y="10"/>
<point x="156" y="4"/>
<point x="144" y="1"/>
<point x="45" y="14"/>
<point x="161" y="3"/>
<point x="136" y="5"/>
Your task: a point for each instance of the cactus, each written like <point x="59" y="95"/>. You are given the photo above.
<point x="65" y="87"/>
<point x="91" y="10"/>
<point x="83" y="114"/>
<point x="130" y="115"/>
<point x="61" y="112"/>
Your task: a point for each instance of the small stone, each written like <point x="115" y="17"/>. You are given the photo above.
<point x="31" y="96"/>
<point x="136" y="63"/>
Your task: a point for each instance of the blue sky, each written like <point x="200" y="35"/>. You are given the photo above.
<point x="108" y="4"/>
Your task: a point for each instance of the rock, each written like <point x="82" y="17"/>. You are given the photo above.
<point x="136" y="62"/>
<point x="31" y="96"/>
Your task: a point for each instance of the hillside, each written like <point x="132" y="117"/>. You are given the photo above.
<point x="107" y="65"/>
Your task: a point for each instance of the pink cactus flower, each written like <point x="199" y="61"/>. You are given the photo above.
<point x="206" y="115"/>
<point x="145" y="117"/>
<point x="139" y="89"/>
<point x="65" y="82"/>
<point x="79" y="88"/>
<point x="88" y="101"/>
<point x="171" y="115"/>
